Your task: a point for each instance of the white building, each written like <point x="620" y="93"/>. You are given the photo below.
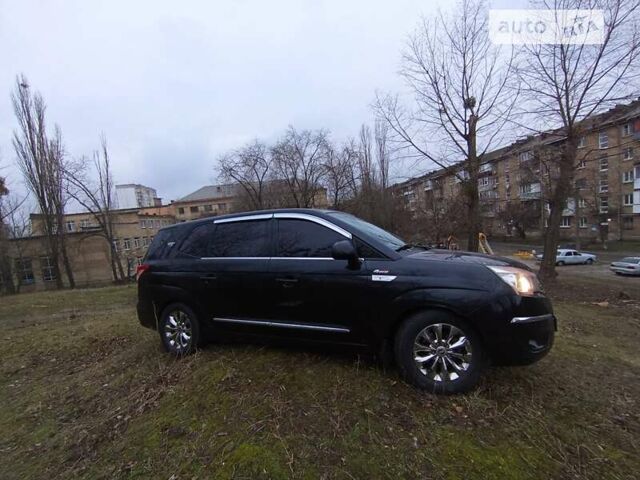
<point x="133" y="195"/>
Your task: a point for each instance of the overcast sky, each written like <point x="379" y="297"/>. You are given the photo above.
<point x="174" y="84"/>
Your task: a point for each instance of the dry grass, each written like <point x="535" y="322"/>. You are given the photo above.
<point x="86" y="392"/>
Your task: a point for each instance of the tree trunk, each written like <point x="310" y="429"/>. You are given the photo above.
<point x="558" y="202"/>
<point x="473" y="202"/>
<point x="66" y="262"/>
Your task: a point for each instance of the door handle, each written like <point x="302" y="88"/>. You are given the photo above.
<point x="287" y="282"/>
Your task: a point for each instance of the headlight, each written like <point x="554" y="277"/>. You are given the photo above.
<point x="522" y="281"/>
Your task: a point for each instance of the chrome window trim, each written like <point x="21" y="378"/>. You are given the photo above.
<point x="235" y="258"/>
<point x="318" y="220"/>
<point x="268" y="323"/>
<point x="536" y="318"/>
<point x="261" y="216"/>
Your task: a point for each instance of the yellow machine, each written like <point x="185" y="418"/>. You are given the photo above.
<point x="483" y="244"/>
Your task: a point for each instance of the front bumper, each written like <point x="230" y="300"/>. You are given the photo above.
<point x="529" y="334"/>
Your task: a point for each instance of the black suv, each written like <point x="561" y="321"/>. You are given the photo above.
<point x="326" y="276"/>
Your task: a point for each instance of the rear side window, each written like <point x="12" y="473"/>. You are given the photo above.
<point x="162" y="244"/>
<point x="240" y="239"/>
<point x="197" y="242"/>
<point x="301" y="238"/>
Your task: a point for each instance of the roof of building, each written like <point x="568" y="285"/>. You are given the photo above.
<point x="210" y="192"/>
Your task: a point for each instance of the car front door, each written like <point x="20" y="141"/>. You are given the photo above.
<point x="314" y="294"/>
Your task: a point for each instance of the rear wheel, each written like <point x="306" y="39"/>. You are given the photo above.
<point x="438" y="352"/>
<point x="179" y="329"/>
<point x="560" y="263"/>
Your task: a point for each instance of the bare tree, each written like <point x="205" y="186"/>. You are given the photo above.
<point x="299" y="160"/>
<point x="14" y="225"/>
<point x="340" y="169"/>
<point x="463" y="92"/>
<point x="41" y="160"/>
<point x="251" y="168"/>
<point x="567" y="82"/>
<point x="97" y="196"/>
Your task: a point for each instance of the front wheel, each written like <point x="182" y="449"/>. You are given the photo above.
<point x="438" y="352"/>
<point x="590" y="261"/>
<point x="179" y="329"/>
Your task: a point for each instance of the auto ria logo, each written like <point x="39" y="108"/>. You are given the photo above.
<point x="522" y="27"/>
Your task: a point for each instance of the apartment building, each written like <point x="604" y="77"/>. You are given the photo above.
<point x="134" y="195"/>
<point x="515" y="180"/>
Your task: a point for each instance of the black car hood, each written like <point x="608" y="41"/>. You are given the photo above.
<point x="467" y="257"/>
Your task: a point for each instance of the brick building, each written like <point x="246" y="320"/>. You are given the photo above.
<point x="606" y="198"/>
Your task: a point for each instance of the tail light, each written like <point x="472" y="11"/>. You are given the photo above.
<point x="140" y="270"/>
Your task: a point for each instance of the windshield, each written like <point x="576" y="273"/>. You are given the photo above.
<point x="630" y="260"/>
<point x="367" y="228"/>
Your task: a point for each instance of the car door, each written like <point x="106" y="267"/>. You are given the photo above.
<point x="313" y="293"/>
<point x="233" y="271"/>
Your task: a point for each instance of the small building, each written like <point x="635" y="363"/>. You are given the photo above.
<point x="134" y="195"/>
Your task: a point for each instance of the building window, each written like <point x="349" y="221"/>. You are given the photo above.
<point x="581" y="183"/>
<point x="627" y="153"/>
<point x="603" y="140"/>
<point x="604" y="185"/>
<point x="582" y="163"/>
<point x="604" y="164"/>
<point x="48" y="269"/>
<point x="84" y="224"/>
<point x="181" y="211"/>
<point x="583" y="222"/>
<point x="126" y="244"/>
<point x="627" y="223"/>
<point x="627" y="199"/>
<point x="136" y="242"/>
<point x="566" y="222"/>
<point x="71" y="226"/>
<point x="115" y="244"/>
<point x="627" y="177"/>
<point x="193" y="209"/>
<point x="24" y="271"/>
<point x="145" y="241"/>
<point x="626" y="130"/>
<point x="582" y="142"/>
<point x="208" y="208"/>
<point x="525" y="156"/>
<point x="604" y="205"/>
<point x="157" y="223"/>
<point x="582" y="203"/>
<point x="143" y="224"/>
<point x="222" y="207"/>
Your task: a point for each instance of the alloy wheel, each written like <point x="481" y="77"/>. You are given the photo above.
<point x="442" y="352"/>
<point x="178" y="331"/>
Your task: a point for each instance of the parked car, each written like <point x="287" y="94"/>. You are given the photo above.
<point x="626" y="266"/>
<point x="566" y="256"/>
<point x="304" y="275"/>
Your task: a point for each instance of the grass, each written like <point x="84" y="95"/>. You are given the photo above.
<point x="87" y="393"/>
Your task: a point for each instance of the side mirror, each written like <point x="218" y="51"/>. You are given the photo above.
<point x="344" y="250"/>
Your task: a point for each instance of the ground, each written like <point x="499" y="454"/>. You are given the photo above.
<point x="87" y="393"/>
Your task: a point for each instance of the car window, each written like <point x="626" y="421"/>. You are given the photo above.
<point x="197" y="242"/>
<point x="240" y="239"/>
<point x="630" y="260"/>
<point x="302" y="238"/>
<point x="161" y="244"/>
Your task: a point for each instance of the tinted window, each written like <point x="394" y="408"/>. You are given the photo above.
<point x="197" y="242"/>
<point x="161" y="245"/>
<point x="369" y="229"/>
<point x="240" y="239"/>
<point x="301" y="238"/>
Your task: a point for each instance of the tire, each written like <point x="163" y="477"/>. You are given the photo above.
<point x="589" y="261"/>
<point x="417" y="336"/>
<point x="560" y="263"/>
<point x="179" y="329"/>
